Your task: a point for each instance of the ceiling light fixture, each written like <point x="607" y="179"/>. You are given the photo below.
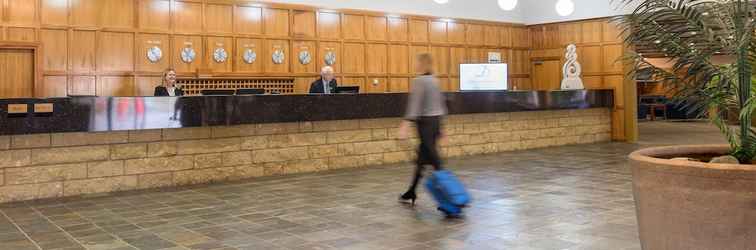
<point x="441" y="1"/>
<point x="507" y="4"/>
<point x="565" y="7"/>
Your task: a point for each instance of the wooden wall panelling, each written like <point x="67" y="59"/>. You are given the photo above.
<point x="399" y="84"/>
<point x="54" y="12"/>
<point x="456" y="32"/>
<point x="376" y="85"/>
<point x="414" y="51"/>
<point x="612" y="55"/>
<point x="397" y="28"/>
<point x="276" y="22"/>
<point x="475" y="34"/>
<point x="476" y="55"/>
<point x="354" y="27"/>
<point x="443" y="83"/>
<point x="521" y="37"/>
<point x="590" y="58"/>
<point x="304" y="23"/>
<point x="377" y="58"/>
<point x="569" y="33"/>
<point x="178" y="43"/>
<point x="453" y="84"/>
<point x="302" y="84"/>
<point x="329" y="25"/>
<point x="537" y="36"/>
<point x="219" y="18"/>
<point x="492" y="36"/>
<point x="354" y="58"/>
<point x="214" y="43"/>
<point x="85" y="12"/>
<point x="188" y="17"/>
<point x="354" y="81"/>
<point x="55" y="51"/>
<point x="399" y="59"/>
<point x="612" y="81"/>
<point x="270" y="47"/>
<point x="255" y="45"/>
<point x="591" y="31"/>
<point x="53" y="86"/>
<point x="147" y="41"/>
<point x="438" y="32"/>
<point x="82" y="85"/>
<point x="377" y="28"/>
<point x="551" y="36"/>
<point x="83" y="54"/>
<point x="592" y="82"/>
<point x="610" y="32"/>
<point x="154" y="15"/>
<point x="21" y="11"/>
<point x="21" y="34"/>
<point x="546" y="75"/>
<point x="418" y="30"/>
<point x="145" y="85"/>
<point x="117" y="13"/>
<point x="17" y="77"/>
<point x="115" y="51"/>
<point x="506" y="36"/>
<point x="300" y="46"/>
<point x="115" y="86"/>
<point x="440" y="60"/>
<point x="325" y="47"/>
<point x="456" y="57"/>
<point x="520" y="83"/>
<point x="249" y="20"/>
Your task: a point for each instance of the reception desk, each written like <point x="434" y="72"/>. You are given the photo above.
<point x="81" y="145"/>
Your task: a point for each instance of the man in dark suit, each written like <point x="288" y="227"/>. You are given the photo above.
<point x="326" y="84"/>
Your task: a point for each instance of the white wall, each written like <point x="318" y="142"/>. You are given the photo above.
<point x="544" y="11"/>
<point x="467" y="9"/>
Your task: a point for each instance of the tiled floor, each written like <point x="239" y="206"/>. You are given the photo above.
<point x="576" y="197"/>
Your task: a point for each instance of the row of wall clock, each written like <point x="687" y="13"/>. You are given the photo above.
<point x="249" y="56"/>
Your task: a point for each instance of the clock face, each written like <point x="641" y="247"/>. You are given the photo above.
<point x="249" y="56"/>
<point x="278" y="56"/>
<point x="188" y="55"/>
<point x="330" y="58"/>
<point x="154" y="54"/>
<point x="304" y="57"/>
<point x="220" y="55"/>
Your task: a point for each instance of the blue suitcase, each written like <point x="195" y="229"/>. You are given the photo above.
<point x="448" y="191"/>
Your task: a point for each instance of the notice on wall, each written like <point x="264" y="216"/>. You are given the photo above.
<point x="483" y="76"/>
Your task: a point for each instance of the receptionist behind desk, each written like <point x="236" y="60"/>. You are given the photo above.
<point x="168" y="87"/>
<point x="326" y="84"/>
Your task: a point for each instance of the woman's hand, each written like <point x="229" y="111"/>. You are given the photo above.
<point x="404" y="129"/>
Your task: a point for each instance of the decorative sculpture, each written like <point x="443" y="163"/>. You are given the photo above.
<point x="571" y="70"/>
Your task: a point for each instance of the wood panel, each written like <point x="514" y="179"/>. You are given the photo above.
<point x="155" y="15"/>
<point x="17" y="79"/>
<point x="354" y="27"/>
<point x="590" y="58"/>
<point x="297" y="48"/>
<point x="82" y="85"/>
<point x="329" y="25"/>
<point x="376" y="85"/>
<point x="399" y="56"/>
<point x="377" y="28"/>
<point x="147" y="41"/>
<point x="399" y="85"/>
<point x="115" y="51"/>
<point x="547" y="75"/>
<point x="418" y="30"/>
<point x="438" y="32"/>
<point x="83" y="44"/>
<point x="612" y="81"/>
<point x="219" y="18"/>
<point x="255" y="45"/>
<point x="276" y="22"/>
<point x="270" y="47"/>
<point x="54" y="12"/>
<point x="85" y="12"/>
<point x="610" y="32"/>
<point x="414" y="51"/>
<point x="53" y="86"/>
<point x="398" y="29"/>
<point x="21" y="11"/>
<point x="21" y="34"/>
<point x="188" y="17"/>
<point x="55" y="54"/>
<point x="115" y="86"/>
<point x="474" y="34"/>
<point x="492" y="35"/>
<point x="592" y="82"/>
<point x="440" y="60"/>
<point x="117" y="13"/>
<point x="334" y="47"/>
<point x="304" y="23"/>
<point x="506" y="36"/>
<point x="354" y="81"/>
<point x="248" y="20"/>
<point x="456" y="57"/>
<point x="145" y="86"/>
<point x="215" y="43"/>
<point x="178" y="43"/>
<point x="591" y="32"/>
<point x="570" y="33"/>
<point x="456" y="33"/>
<point x="377" y="55"/>
<point x="612" y="56"/>
<point x="354" y="58"/>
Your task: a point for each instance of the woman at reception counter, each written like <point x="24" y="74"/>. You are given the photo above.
<point x="168" y="86"/>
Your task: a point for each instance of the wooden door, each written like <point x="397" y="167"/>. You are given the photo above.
<point x="547" y="75"/>
<point x="17" y="77"/>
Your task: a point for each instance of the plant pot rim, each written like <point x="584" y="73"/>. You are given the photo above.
<point x="652" y="155"/>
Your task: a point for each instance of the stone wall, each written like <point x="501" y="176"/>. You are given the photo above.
<point x="68" y="164"/>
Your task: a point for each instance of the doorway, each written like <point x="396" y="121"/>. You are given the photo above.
<point x="16" y="73"/>
<point x="547" y="75"/>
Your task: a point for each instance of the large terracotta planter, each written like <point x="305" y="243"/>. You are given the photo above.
<point x="693" y="205"/>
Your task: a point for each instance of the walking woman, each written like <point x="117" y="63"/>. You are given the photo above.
<point x="425" y="108"/>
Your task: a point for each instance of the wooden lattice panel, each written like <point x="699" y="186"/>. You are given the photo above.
<point x="194" y="86"/>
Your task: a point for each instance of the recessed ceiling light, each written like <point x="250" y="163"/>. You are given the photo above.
<point x="565" y="7"/>
<point x="507" y="4"/>
<point x="441" y="1"/>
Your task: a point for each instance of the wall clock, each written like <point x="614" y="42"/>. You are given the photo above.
<point x="278" y="56"/>
<point x="304" y="57"/>
<point x="154" y="54"/>
<point x="220" y="55"/>
<point x="249" y="56"/>
<point x="188" y="54"/>
<point x="330" y="58"/>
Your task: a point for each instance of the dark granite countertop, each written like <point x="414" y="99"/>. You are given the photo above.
<point x="91" y="114"/>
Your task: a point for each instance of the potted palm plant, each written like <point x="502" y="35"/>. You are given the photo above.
<point x="684" y="200"/>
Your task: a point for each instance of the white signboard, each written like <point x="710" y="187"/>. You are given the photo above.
<point x="483" y="76"/>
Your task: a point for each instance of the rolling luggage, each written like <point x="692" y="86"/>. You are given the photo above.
<point x="448" y="191"/>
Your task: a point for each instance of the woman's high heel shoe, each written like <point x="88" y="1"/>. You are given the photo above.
<point x="408" y="197"/>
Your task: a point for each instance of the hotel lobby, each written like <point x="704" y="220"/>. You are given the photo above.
<point x="413" y="124"/>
